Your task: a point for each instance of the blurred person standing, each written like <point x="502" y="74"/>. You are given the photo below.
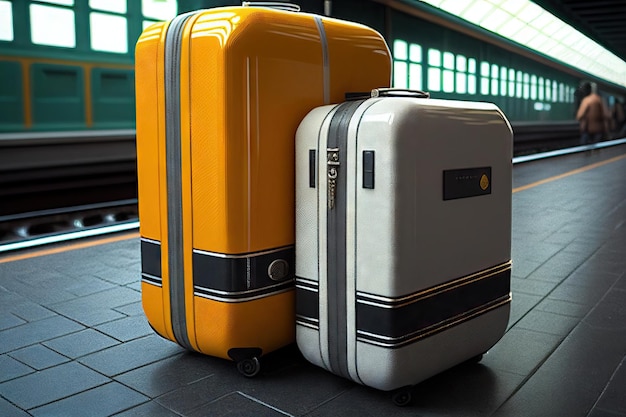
<point x="593" y="115"/>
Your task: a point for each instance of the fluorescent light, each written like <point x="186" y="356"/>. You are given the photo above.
<point x="527" y="24"/>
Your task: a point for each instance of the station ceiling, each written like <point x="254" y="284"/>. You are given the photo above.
<point x="604" y="21"/>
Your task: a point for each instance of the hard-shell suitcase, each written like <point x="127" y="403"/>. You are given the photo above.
<point x="220" y="94"/>
<point x="402" y="236"/>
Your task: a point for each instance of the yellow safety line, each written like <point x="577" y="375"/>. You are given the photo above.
<point x="65" y="248"/>
<point x="567" y="174"/>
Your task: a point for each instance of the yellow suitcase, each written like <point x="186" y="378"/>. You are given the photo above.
<point x="220" y="94"/>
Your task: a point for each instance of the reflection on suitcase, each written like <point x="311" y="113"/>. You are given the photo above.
<point x="220" y="94"/>
<point x="402" y="236"/>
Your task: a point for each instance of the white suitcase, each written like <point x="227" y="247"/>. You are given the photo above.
<point x="403" y="236"/>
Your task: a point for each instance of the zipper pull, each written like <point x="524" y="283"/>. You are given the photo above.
<point x="332" y="162"/>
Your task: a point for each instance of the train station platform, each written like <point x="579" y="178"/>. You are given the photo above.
<point x="74" y="341"/>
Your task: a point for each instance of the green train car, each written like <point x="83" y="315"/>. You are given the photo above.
<point x="68" y="64"/>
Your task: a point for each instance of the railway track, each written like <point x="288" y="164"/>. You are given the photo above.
<point x="67" y="185"/>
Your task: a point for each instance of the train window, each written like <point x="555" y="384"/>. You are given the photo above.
<point x="116" y="6"/>
<point x="526" y="85"/>
<point x="471" y="78"/>
<point x="484" y="78"/>
<point x="415" y="67"/>
<point x="448" y="60"/>
<point x="407" y="74"/>
<point x="61" y="2"/>
<point x="448" y="72"/>
<point x="561" y="93"/>
<point x="52" y="26"/>
<point x="533" y="87"/>
<point x="159" y="9"/>
<point x="494" y="79"/>
<point x="518" y="89"/>
<point x="555" y="91"/>
<point x="434" y="79"/>
<point x="108" y="33"/>
<point x="448" y="81"/>
<point x="503" y="73"/>
<point x="399" y="74"/>
<point x="461" y="63"/>
<point x="400" y="50"/>
<point x="511" y="82"/>
<point x="540" y="89"/>
<point x="548" y="90"/>
<point x="461" y="74"/>
<point x="6" y="21"/>
<point x="434" y="70"/>
<point x="434" y="58"/>
<point x="415" y="76"/>
<point x="415" y="53"/>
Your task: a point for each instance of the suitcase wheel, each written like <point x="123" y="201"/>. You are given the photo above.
<point x="403" y="396"/>
<point x="249" y="367"/>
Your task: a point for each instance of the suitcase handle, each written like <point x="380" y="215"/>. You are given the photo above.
<point x="398" y="92"/>
<point x="289" y="7"/>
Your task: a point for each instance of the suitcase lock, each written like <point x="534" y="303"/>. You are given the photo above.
<point x="333" y="166"/>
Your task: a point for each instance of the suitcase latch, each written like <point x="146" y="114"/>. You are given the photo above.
<point x="332" y="161"/>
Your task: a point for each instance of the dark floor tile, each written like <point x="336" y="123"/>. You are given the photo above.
<point x="286" y="382"/>
<point x="122" y="276"/>
<point x="571" y="379"/>
<point x="610" y="313"/>
<point x="8" y="320"/>
<point x="523" y="267"/>
<point x="81" y="343"/>
<point x="38" y="294"/>
<point x="30" y="311"/>
<point x="115" y="297"/>
<point x="598" y="412"/>
<point x="621" y="282"/>
<point x="132" y="309"/>
<point x="90" y="285"/>
<point x="565" y="308"/>
<point x="149" y="409"/>
<point x="50" y="385"/>
<point x="542" y="321"/>
<point x="588" y="277"/>
<point x="36" y="332"/>
<point x="577" y="294"/>
<point x="557" y="268"/>
<point x="97" y="308"/>
<point x="237" y="404"/>
<point x="103" y="401"/>
<point x="520" y="305"/>
<point x="131" y="355"/>
<point x="521" y="351"/>
<point x="9" y="410"/>
<point x="531" y="286"/>
<point x="170" y="374"/>
<point x="126" y="329"/>
<point x="10" y="369"/>
<point x="614" y="395"/>
<point x="38" y="357"/>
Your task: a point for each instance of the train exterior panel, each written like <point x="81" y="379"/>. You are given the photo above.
<point x="80" y="81"/>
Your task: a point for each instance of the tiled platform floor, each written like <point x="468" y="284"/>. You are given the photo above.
<point x="74" y="341"/>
